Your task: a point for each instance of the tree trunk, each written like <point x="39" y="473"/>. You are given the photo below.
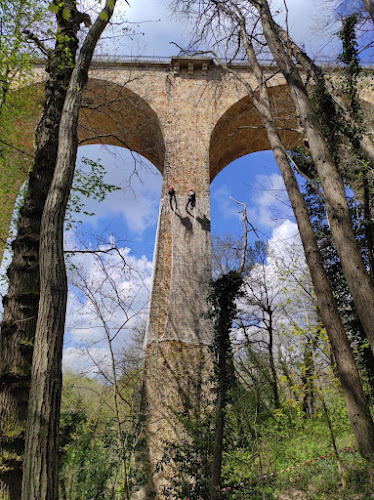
<point x="22" y="300"/>
<point x="218" y="439"/>
<point x="358" y="280"/>
<point x="307" y="378"/>
<point x="274" y="378"/>
<point x="40" y="478"/>
<point x="225" y="295"/>
<point x="369" y="6"/>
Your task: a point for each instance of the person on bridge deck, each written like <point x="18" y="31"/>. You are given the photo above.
<point x="171" y="196"/>
<point x="191" y="199"/>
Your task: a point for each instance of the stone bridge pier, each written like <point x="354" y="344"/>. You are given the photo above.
<point x="179" y="334"/>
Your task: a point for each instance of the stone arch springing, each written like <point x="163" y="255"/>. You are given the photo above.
<point x="239" y="131"/>
<point x="111" y="114"/>
<point x="114" y="115"/>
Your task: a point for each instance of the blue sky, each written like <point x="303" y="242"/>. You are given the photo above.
<point x="311" y="22"/>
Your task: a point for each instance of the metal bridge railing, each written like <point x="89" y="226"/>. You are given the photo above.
<point x="144" y="59"/>
<point x="266" y="61"/>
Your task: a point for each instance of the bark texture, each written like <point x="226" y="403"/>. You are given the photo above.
<point x="369" y="6"/>
<point x="22" y="300"/>
<point x="40" y="477"/>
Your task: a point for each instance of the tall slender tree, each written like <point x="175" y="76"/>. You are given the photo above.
<point x="22" y="299"/>
<point x="40" y="477"/>
<point x="369" y="6"/>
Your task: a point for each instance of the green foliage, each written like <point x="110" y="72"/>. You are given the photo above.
<point x="329" y="116"/>
<point x="16" y="59"/>
<point x="348" y="84"/>
<point x="335" y="125"/>
<point x="88" y="183"/>
<point x="16" y="55"/>
<point x="90" y="463"/>
<point x="259" y="442"/>
<point x="66" y="14"/>
<point x="86" y="431"/>
<point x="53" y="8"/>
<point x="193" y="456"/>
<point x="104" y="15"/>
<point x="349" y="55"/>
<point x="225" y="290"/>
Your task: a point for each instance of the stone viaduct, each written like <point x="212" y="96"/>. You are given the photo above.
<point x="190" y="119"/>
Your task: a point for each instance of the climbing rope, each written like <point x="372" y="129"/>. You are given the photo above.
<point x="172" y="215"/>
<point x="170" y="178"/>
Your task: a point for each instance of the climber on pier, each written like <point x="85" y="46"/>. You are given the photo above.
<point x="171" y="196"/>
<point x="191" y="199"/>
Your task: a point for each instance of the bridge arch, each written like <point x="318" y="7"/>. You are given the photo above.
<point x="239" y="130"/>
<point x="115" y="115"/>
<point x="111" y="114"/>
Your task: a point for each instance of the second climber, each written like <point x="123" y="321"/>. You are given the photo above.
<point x="171" y="197"/>
<point x="191" y="199"/>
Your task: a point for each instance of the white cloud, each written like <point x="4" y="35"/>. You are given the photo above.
<point x="107" y="295"/>
<point x="267" y="207"/>
<point x="284" y="236"/>
<point x="270" y="204"/>
<point x="226" y="207"/>
<point x="138" y="200"/>
<point x="78" y="360"/>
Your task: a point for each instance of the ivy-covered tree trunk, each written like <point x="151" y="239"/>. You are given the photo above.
<point x="22" y="299"/>
<point x="225" y="291"/>
<point x="40" y="477"/>
<point x="274" y="377"/>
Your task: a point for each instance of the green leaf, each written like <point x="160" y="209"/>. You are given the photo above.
<point x="104" y="15"/>
<point x="52" y="7"/>
<point x="66" y="14"/>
